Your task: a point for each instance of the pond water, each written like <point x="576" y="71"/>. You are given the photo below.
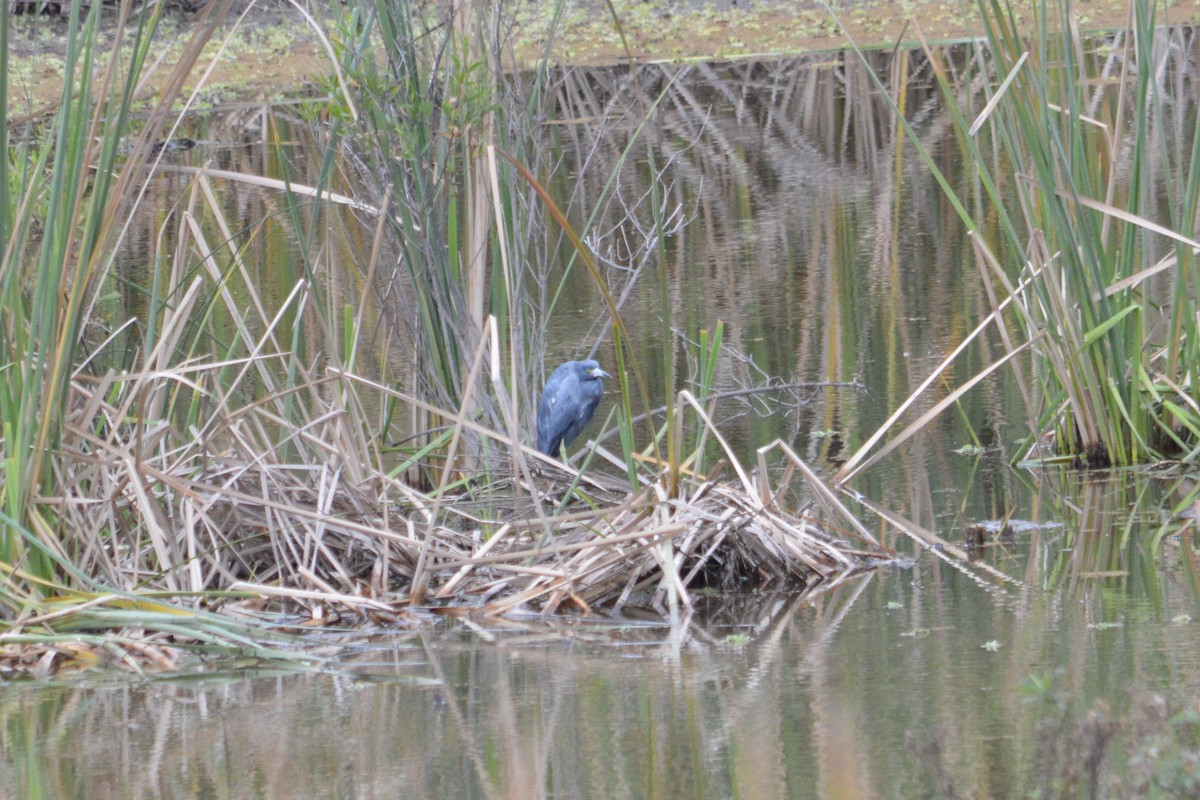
<point x="843" y="695"/>
<point x="830" y="256"/>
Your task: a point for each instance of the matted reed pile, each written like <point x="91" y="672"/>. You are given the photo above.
<point x="299" y="517"/>
<point x="643" y="549"/>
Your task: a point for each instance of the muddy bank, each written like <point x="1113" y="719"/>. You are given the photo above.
<point x="268" y="51"/>
<point x="660" y="30"/>
<point x="263" y="53"/>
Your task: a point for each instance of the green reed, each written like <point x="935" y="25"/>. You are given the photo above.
<point x="69" y="183"/>
<point x="443" y="122"/>
<point x="1088" y="196"/>
<point x="63" y="197"/>
<point x="428" y="102"/>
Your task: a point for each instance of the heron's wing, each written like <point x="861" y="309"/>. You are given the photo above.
<point x="545" y="420"/>
<point x="557" y="411"/>
<point x="576" y="412"/>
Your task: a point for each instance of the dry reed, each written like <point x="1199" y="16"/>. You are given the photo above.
<point x="323" y="532"/>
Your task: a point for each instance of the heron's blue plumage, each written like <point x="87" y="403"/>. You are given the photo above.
<point x="568" y="402"/>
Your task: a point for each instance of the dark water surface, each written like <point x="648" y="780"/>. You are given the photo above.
<point x="829" y="254"/>
<point x="833" y="697"/>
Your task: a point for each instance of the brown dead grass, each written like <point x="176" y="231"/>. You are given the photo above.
<point x="227" y="508"/>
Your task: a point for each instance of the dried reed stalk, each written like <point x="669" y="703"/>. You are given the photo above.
<point x="219" y="510"/>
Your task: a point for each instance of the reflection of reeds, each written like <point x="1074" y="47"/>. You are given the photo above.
<point x="594" y="711"/>
<point x="535" y="710"/>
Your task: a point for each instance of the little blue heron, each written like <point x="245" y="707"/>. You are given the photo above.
<point x="568" y="402"/>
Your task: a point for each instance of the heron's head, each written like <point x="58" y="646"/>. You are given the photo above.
<point x="591" y="370"/>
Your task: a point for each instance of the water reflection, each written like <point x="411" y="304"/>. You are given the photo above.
<point x="785" y="697"/>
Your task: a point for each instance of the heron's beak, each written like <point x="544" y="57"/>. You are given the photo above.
<point x="599" y="373"/>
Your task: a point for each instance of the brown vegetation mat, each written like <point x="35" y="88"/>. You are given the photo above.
<point x="327" y="547"/>
<point x="301" y="517"/>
